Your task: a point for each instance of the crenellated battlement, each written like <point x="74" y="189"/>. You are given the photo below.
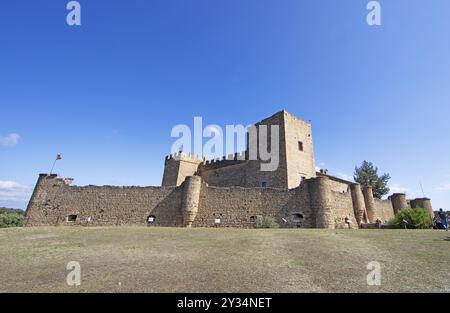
<point x="55" y="178"/>
<point x="239" y="156"/>
<point x="231" y="159"/>
<point x="185" y="156"/>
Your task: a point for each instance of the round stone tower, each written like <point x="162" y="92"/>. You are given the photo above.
<point x="370" y="203"/>
<point x="191" y="199"/>
<point x="423" y="203"/>
<point x="358" y="203"/>
<point x="320" y="197"/>
<point x="399" y="202"/>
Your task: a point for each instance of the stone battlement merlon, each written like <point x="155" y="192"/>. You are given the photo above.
<point x="229" y="160"/>
<point x="185" y="156"/>
<point x="57" y="178"/>
<point x="241" y="156"/>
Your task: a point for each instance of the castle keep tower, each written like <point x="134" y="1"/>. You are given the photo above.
<point x="295" y="147"/>
<point x="299" y="150"/>
<point x="295" y="159"/>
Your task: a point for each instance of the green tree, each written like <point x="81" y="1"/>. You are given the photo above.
<point x="412" y="219"/>
<point x="367" y="175"/>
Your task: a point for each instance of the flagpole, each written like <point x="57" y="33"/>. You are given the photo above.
<point x="58" y="157"/>
<point x="421" y="187"/>
<point x="54" y="162"/>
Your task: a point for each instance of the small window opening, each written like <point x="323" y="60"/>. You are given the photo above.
<point x="264" y="184"/>
<point x="72" y="218"/>
<point x="300" y="146"/>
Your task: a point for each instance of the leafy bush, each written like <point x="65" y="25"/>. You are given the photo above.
<point x="11" y="220"/>
<point x="266" y="222"/>
<point x="415" y="219"/>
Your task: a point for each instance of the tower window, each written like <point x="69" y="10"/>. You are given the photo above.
<point x="300" y="146"/>
<point x="264" y="184"/>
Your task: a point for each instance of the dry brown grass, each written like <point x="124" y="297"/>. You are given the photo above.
<point x="139" y="259"/>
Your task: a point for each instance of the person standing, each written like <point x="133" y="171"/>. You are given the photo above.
<point x="444" y="220"/>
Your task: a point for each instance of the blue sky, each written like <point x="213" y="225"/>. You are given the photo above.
<point x="106" y="94"/>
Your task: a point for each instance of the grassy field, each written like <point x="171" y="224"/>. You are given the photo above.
<point x="140" y="259"/>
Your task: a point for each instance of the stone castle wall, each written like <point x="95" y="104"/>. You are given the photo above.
<point x="53" y="201"/>
<point x="343" y="208"/>
<point x="384" y="210"/>
<point x="194" y="203"/>
<point x="238" y="206"/>
<point x="313" y="204"/>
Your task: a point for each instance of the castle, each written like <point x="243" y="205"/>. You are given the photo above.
<point x="230" y="192"/>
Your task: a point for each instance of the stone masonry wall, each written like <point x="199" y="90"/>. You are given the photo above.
<point x="235" y="206"/>
<point x="53" y="201"/>
<point x="312" y="204"/>
<point x="383" y="210"/>
<point x="342" y="206"/>
<point x="299" y="162"/>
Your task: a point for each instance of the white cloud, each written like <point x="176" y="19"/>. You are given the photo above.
<point x="445" y="187"/>
<point x="10" y="140"/>
<point x="397" y="188"/>
<point x="345" y="176"/>
<point x="13" y="191"/>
